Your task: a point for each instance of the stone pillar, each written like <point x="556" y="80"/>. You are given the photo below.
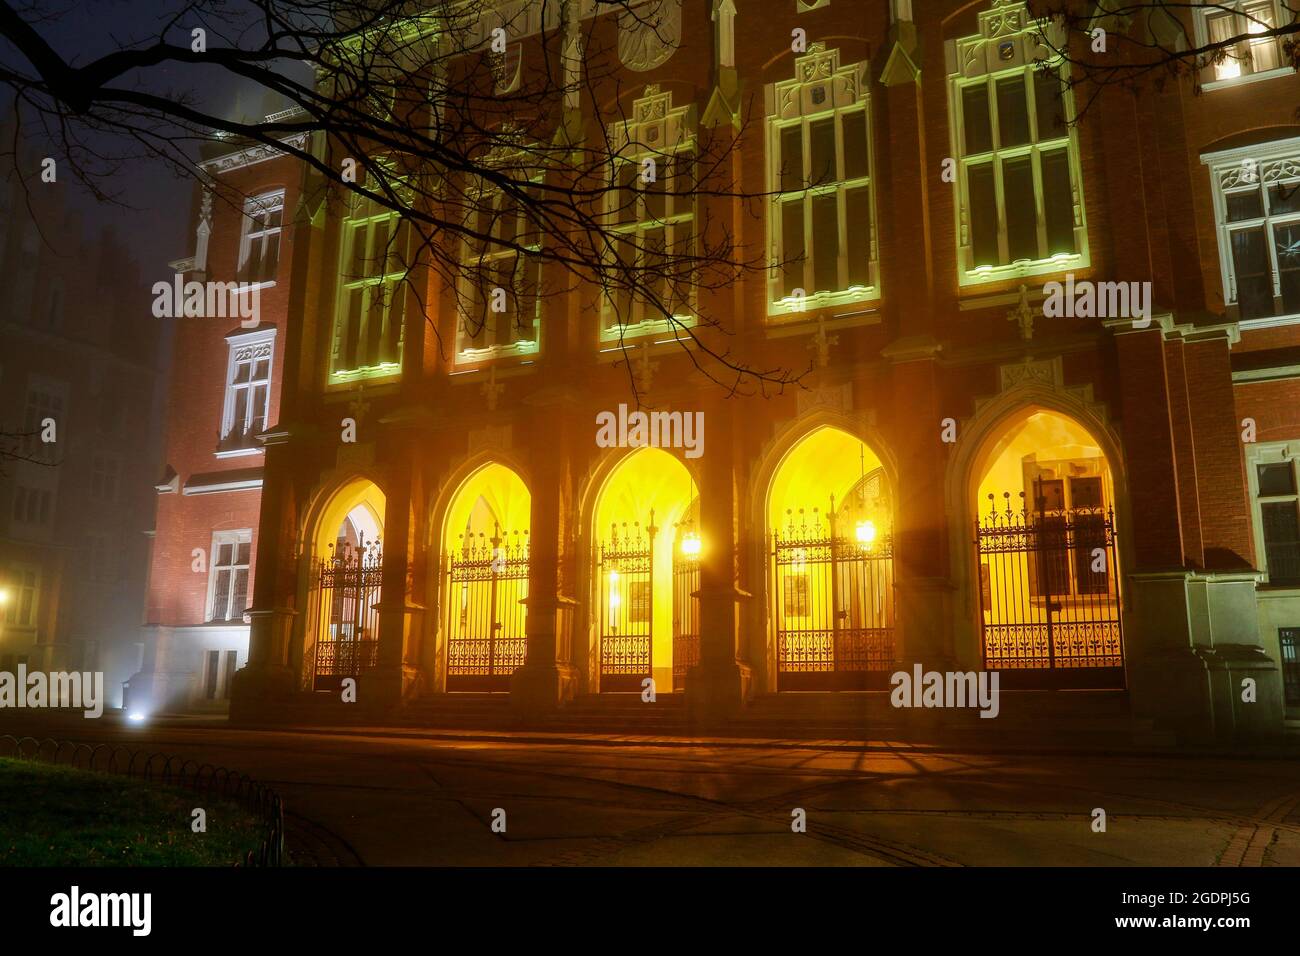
<point x="267" y="679"/>
<point x="1168" y="678"/>
<point x="719" y="685"/>
<point x="922" y="584"/>
<point x="922" y="587"/>
<point x="548" y="678"/>
<point x="396" y="678"/>
<point x="1228" y="624"/>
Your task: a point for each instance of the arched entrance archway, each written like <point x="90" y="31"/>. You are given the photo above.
<point x="830" y="521"/>
<point x="646" y="548"/>
<point x="1047" y="572"/>
<point x="485" y="542"/>
<point x="346" y="571"/>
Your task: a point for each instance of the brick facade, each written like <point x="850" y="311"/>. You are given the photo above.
<point x="1163" y="402"/>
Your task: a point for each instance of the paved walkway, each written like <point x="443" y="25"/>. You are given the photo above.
<point x="379" y="798"/>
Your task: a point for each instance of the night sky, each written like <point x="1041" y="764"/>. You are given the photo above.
<point x="156" y="201"/>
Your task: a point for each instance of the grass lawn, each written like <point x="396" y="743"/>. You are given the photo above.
<point x="57" y="816"/>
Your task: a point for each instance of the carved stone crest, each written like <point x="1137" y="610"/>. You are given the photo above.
<point x="649" y="33"/>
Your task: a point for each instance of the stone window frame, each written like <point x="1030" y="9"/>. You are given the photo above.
<point x="1231" y="170"/>
<point x="22" y="580"/>
<point x="235" y="538"/>
<point x="794" y="102"/>
<point x="521" y="346"/>
<point x="363" y="212"/>
<point x="1210" y="10"/>
<point x="655" y="129"/>
<point x="1270" y="453"/>
<point x="268" y="202"/>
<point x="245" y="348"/>
<point x="1009" y="35"/>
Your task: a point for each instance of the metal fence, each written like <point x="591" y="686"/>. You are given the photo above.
<point x="1049" y="595"/>
<point x="347" y="632"/>
<point x="486" y="614"/>
<point x="626" y="574"/>
<point x="169" y="770"/>
<point x="833" y="604"/>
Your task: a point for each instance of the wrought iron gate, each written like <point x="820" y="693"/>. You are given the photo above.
<point x="834" y="606"/>
<point x="485" y="615"/>
<point x="686" y="612"/>
<point x="626" y="574"/>
<point x="347" y="636"/>
<point x="1049" y="596"/>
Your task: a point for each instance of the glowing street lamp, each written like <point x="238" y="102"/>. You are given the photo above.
<point x="866" y="534"/>
<point x="691" y="544"/>
<point x="615" y="599"/>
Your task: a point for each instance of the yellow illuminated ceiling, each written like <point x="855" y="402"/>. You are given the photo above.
<point x="1038" y="436"/>
<point x="360" y="500"/>
<point x="493" y="495"/>
<point x="825" y="462"/>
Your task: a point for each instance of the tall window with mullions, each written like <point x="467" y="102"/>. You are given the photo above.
<point x="500" y="287"/>
<point x="1016" y="162"/>
<point x="375" y="249"/>
<point x="1020" y="209"/>
<point x="822" y="213"/>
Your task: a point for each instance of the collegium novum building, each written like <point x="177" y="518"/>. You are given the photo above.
<point x="981" y="470"/>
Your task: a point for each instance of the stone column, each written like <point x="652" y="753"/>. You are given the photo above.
<point x="548" y="678"/>
<point x="396" y="678"/>
<point x="922" y="587"/>
<point x="1168" y="678"/>
<point x="719" y="685"/>
<point x="267" y="679"/>
<point x="1229" y="624"/>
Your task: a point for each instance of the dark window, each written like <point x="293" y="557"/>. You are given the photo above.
<point x="1289" y="642"/>
<point x="210" y="675"/>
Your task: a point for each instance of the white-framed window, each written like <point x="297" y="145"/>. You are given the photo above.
<point x="219" y="667"/>
<point x="1020" y="193"/>
<point x="45" y="400"/>
<point x="104" y="474"/>
<point x="259" y="242"/>
<point x="19" y="594"/>
<point x="1252" y="56"/>
<point x="500" y="295"/>
<point x="822" y="217"/>
<point x="1257" y="209"/>
<point x="248" y="390"/>
<point x="650" y="209"/>
<point x="228" y="574"/>
<point x="1275" y="494"/>
<point x="373" y="265"/>
<point x="33" y="506"/>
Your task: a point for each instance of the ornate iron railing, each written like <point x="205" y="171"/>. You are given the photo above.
<point x="626" y="573"/>
<point x="347" y="631"/>
<point x="1049" y="592"/>
<point x="686" y="612"/>
<point x="833" y="603"/>
<point x="486" y="616"/>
